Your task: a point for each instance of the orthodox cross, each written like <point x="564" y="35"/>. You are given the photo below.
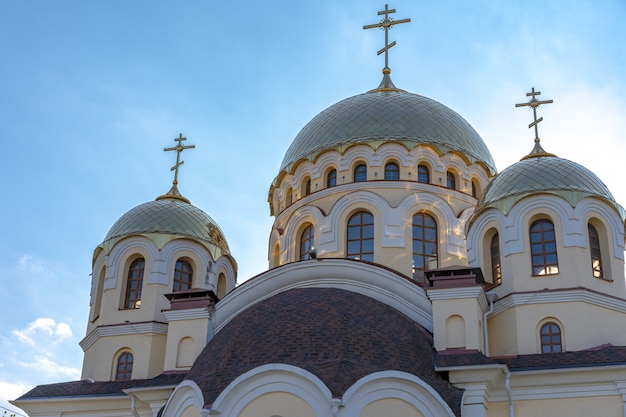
<point x="386" y="24"/>
<point x="534" y="103"/>
<point x="178" y="148"/>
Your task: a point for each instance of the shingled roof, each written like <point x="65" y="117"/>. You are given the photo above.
<point x="338" y="335"/>
<point x="87" y="388"/>
<point x="605" y="355"/>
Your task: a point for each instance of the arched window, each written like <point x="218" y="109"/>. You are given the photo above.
<point x="98" y="295"/>
<point x="423" y="174"/>
<point x="289" y="197"/>
<point x="424" y="245"/>
<point x="331" y="178"/>
<point x="306" y="242"/>
<point x="360" y="238"/>
<point x="392" y="172"/>
<point x="183" y="275"/>
<point x="360" y="173"/>
<point x="221" y="285"/>
<point x="550" y="338"/>
<point x="134" y="283"/>
<point x="496" y="267"/>
<point x="307" y="187"/>
<point x="474" y="189"/>
<point x="594" y="247"/>
<point x="450" y="180"/>
<point x="543" y="248"/>
<point x="124" y="367"/>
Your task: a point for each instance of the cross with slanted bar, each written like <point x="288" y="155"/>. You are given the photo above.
<point x="178" y="148"/>
<point x="386" y="24"/>
<point x="534" y="103"/>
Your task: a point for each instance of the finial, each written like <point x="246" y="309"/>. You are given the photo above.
<point x="534" y="103"/>
<point x="173" y="192"/>
<point x="385" y="24"/>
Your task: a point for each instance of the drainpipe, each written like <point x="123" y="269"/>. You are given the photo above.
<point x="491" y="298"/>
<point x="133" y="404"/>
<point x="507" y="387"/>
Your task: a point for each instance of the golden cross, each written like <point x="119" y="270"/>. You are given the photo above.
<point x="386" y="24"/>
<point x="534" y="103"/>
<point x="178" y="148"/>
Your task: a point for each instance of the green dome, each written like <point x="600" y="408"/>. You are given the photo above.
<point x="544" y="174"/>
<point x="388" y="114"/>
<point x="166" y="219"/>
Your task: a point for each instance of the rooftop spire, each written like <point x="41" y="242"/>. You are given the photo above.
<point x="385" y="24"/>
<point x="173" y="192"/>
<point x="534" y="103"/>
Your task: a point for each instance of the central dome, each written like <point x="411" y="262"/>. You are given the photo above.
<point x="388" y="114"/>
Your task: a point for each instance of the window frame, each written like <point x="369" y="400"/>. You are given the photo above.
<point x="126" y="373"/>
<point x="450" y="180"/>
<point x="423" y="170"/>
<point x="306" y="242"/>
<point x="554" y="338"/>
<point x="392" y="171"/>
<point x="419" y="274"/>
<point x="544" y="248"/>
<point x="360" y="173"/>
<point x="132" y="296"/>
<point x="595" y="251"/>
<point x="331" y="178"/>
<point x="178" y="275"/>
<point x="355" y="233"/>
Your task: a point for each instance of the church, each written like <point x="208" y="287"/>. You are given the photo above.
<point x="407" y="278"/>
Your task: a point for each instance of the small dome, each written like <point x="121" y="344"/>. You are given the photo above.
<point x="544" y="174"/>
<point x="388" y="114"/>
<point x="338" y="335"/>
<point x="166" y="219"/>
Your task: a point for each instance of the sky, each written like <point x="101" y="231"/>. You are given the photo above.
<point x="91" y="93"/>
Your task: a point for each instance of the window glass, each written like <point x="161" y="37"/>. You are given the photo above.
<point x="331" y="178"/>
<point x="360" y="173"/>
<point x="496" y="268"/>
<point x="124" y="367"/>
<point x="424" y="245"/>
<point x="306" y="242"/>
<point x="134" y="284"/>
<point x="596" y="255"/>
<point x="423" y="174"/>
<point x="450" y="180"/>
<point x="360" y="236"/>
<point x="392" y="172"/>
<point x="550" y="338"/>
<point x="183" y="275"/>
<point x="543" y="248"/>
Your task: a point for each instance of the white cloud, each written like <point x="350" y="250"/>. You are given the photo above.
<point x="30" y="264"/>
<point x="51" y="369"/>
<point x="43" y="330"/>
<point x="11" y="391"/>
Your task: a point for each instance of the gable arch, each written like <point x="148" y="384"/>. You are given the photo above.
<point x="395" y="385"/>
<point x="186" y="398"/>
<point x="273" y="378"/>
<point x="129" y="248"/>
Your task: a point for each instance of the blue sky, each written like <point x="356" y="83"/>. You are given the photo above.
<point x="91" y="93"/>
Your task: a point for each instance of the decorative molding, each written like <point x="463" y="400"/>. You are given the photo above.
<point x="123" y="329"/>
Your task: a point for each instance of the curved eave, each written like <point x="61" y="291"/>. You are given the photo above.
<point x="573" y="197"/>
<point x="161" y="239"/>
<point x="376" y="142"/>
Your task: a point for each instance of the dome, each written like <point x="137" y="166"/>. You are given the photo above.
<point x="338" y="335"/>
<point x="545" y="173"/>
<point x="165" y="219"/>
<point x="388" y="114"/>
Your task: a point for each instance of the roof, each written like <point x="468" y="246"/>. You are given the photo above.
<point x="166" y="219"/>
<point x="388" y="114"/>
<point x="87" y="388"/>
<point x="606" y="355"/>
<point x="338" y="335"/>
<point x="544" y="174"/>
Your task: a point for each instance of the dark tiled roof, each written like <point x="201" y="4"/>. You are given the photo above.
<point x="606" y="355"/>
<point x="337" y="335"/>
<point x="100" y="388"/>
